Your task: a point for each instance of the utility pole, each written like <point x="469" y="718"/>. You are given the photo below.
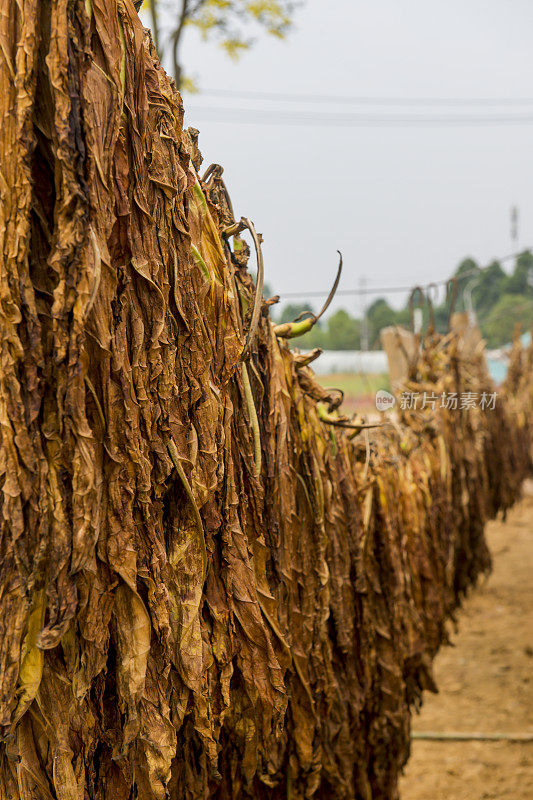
<point x="364" y="320"/>
<point x="514" y="227"/>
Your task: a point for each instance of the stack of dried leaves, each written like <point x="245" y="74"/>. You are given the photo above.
<point x="518" y="395"/>
<point x="207" y="589"/>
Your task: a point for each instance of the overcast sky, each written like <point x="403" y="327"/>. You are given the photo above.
<point x="405" y="204"/>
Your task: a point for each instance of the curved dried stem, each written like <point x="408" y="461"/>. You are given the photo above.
<point x="356" y="426"/>
<point x="233" y="230"/>
<point x="96" y="402"/>
<point x="289" y="330"/>
<point x="334" y="288"/>
<point x="432" y="291"/>
<point x="272" y="300"/>
<point x="174" y="455"/>
<point x="209" y="171"/>
<point x="367" y="458"/>
<point x="304" y="359"/>
<point x="452" y="288"/>
<point x="250" y="336"/>
<point x="364" y="428"/>
<point x="97" y="271"/>
<point x="254" y="421"/>
<point x="330" y="419"/>
<point x="303" y="315"/>
<point x="338" y="401"/>
<point x="421" y="299"/>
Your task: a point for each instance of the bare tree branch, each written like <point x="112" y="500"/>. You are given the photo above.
<point x="155" y="23"/>
<point x="176" y="39"/>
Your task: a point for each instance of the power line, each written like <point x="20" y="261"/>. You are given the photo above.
<point x="257" y="116"/>
<point x="296" y="97"/>
<point x="349" y="292"/>
<point x="392" y="289"/>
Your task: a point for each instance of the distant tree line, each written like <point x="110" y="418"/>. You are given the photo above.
<point x="499" y="300"/>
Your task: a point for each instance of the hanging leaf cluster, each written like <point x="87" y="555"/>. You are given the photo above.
<point x="207" y="589"/>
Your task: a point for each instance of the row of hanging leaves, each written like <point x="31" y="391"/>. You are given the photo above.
<point x="208" y="587"/>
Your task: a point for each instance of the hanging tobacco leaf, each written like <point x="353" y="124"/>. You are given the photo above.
<point x="207" y="590"/>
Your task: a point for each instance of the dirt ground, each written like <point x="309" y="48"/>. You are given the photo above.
<point x="485" y="682"/>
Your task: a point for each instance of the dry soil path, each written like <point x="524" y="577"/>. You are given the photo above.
<point x="485" y="682"/>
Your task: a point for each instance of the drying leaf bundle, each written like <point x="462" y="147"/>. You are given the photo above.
<point x="207" y="590"/>
<point x="518" y="395"/>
